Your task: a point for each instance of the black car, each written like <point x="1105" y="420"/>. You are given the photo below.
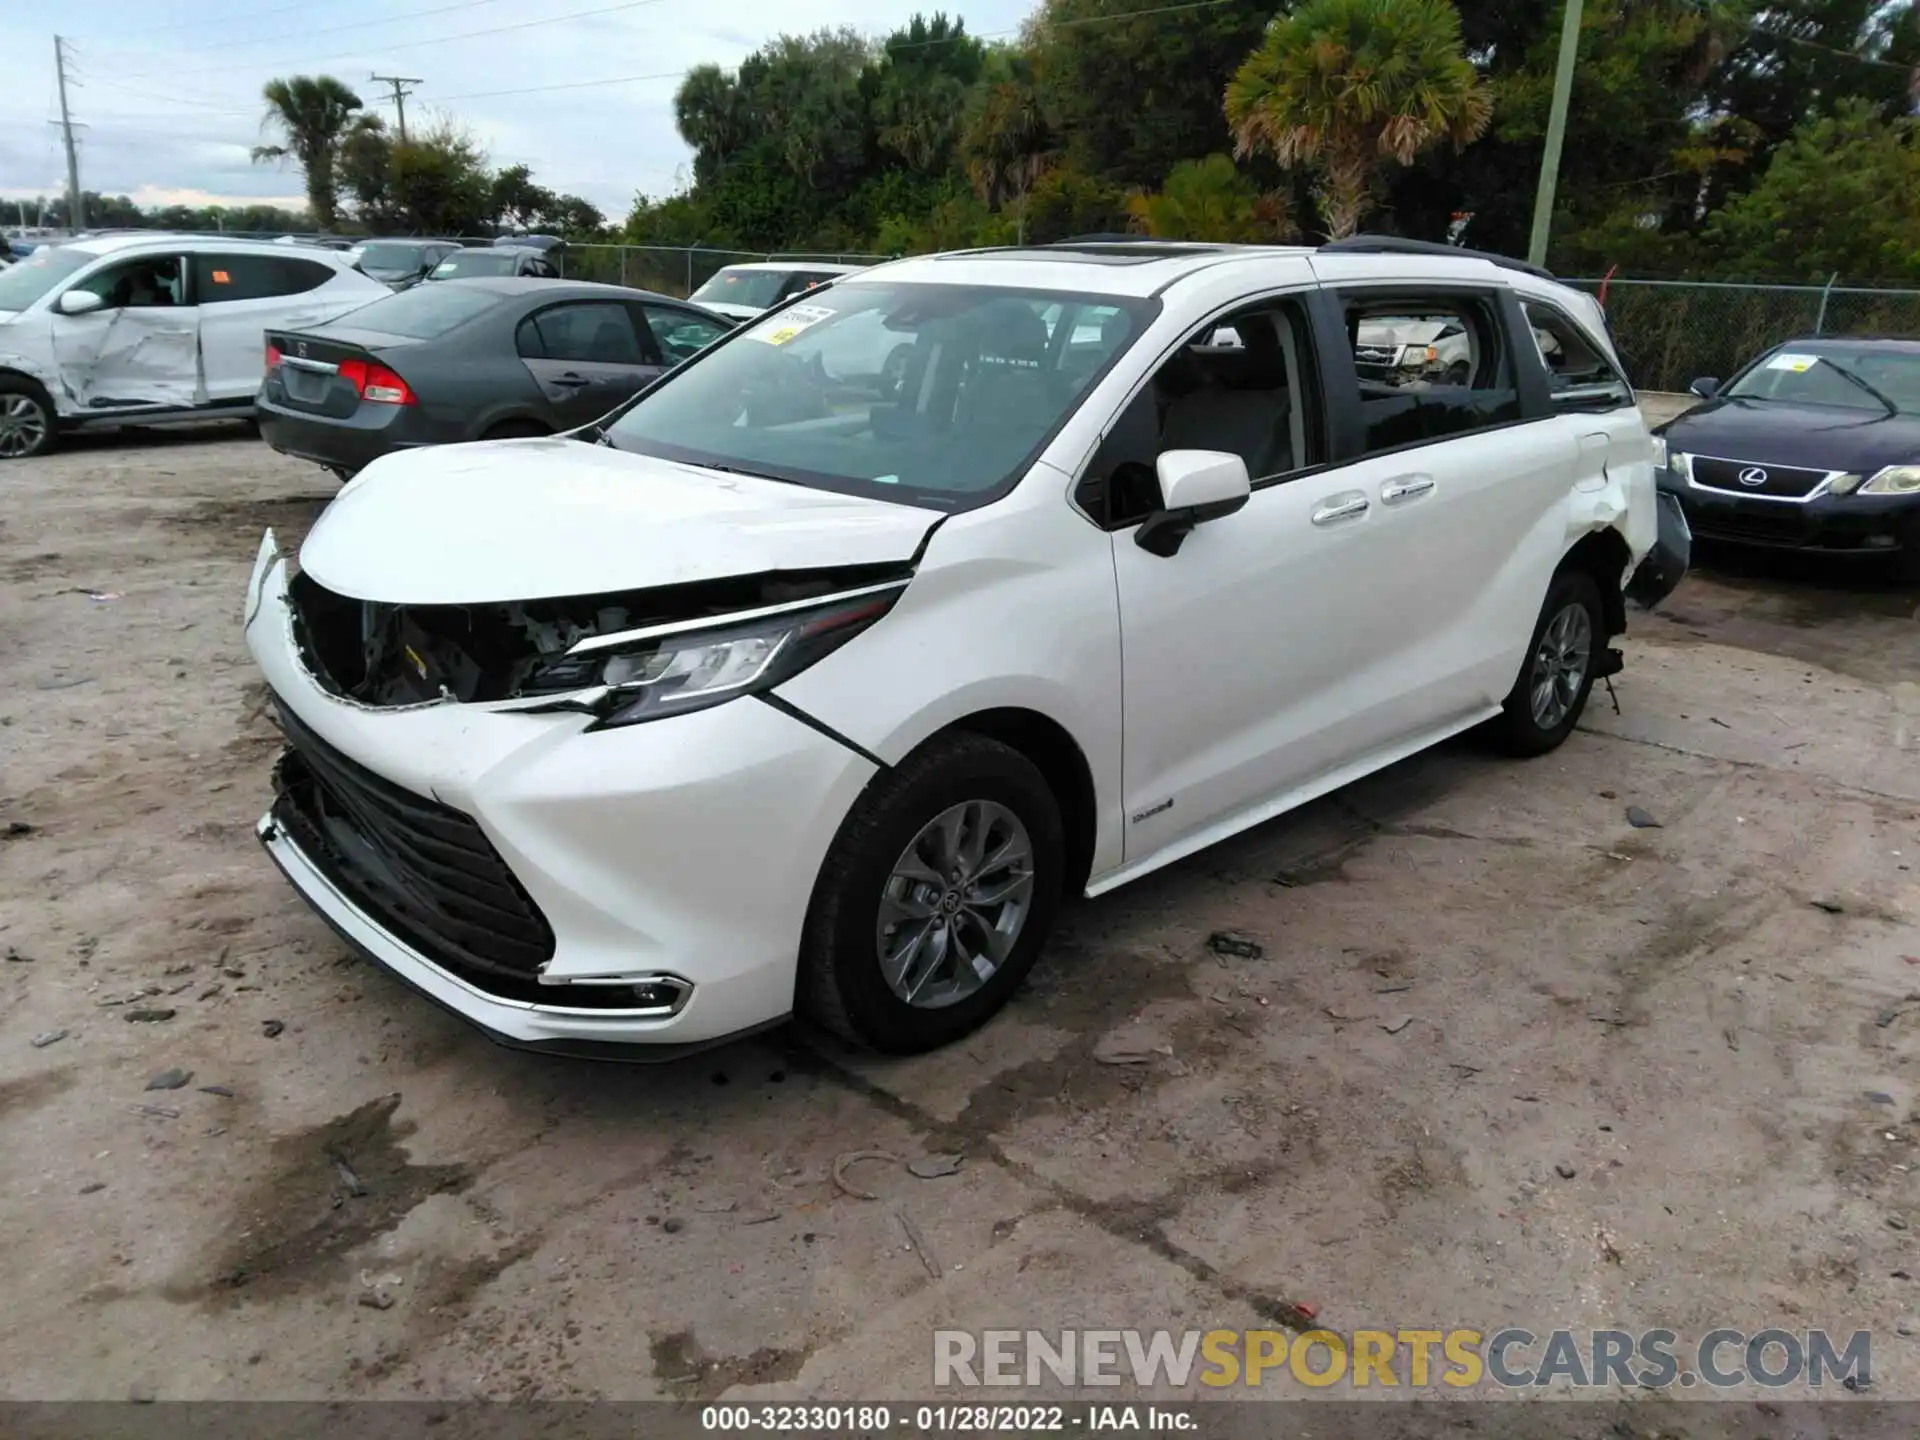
<point x="468" y="360"/>
<point x="400" y="263"/>
<point x="1813" y="446"/>
<point x="475" y="260"/>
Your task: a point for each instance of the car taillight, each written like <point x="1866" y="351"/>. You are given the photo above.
<point x="273" y="356"/>
<point x="374" y="382"/>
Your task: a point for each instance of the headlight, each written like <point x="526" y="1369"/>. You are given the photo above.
<point x="1894" y="480"/>
<point x="691" y="667"/>
<point x="1659" y="452"/>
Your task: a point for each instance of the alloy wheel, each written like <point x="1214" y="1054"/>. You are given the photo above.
<point x="23" y="426"/>
<point x="954" y="904"/>
<point x="1560" y="665"/>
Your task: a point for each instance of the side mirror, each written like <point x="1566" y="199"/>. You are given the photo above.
<point x="78" y="302"/>
<point x="1195" y="486"/>
<point x="1706" y="387"/>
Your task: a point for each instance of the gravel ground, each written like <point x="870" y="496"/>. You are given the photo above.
<point x="1649" y="1077"/>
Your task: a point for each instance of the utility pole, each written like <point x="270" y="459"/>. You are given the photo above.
<point x="76" y="207"/>
<point x="402" y="87"/>
<point x="1556" y="133"/>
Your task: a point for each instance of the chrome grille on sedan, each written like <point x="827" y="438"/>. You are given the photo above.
<point x="1748" y="477"/>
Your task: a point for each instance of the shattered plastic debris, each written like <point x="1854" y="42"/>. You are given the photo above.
<point x="932" y="1167"/>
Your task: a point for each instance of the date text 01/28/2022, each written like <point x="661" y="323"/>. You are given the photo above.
<point x="936" y="1419"/>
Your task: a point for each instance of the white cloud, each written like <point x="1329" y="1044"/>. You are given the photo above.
<point x="175" y="110"/>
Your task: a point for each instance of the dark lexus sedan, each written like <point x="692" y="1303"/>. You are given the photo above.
<point x="460" y="360"/>
<point x="1813" y="446"/>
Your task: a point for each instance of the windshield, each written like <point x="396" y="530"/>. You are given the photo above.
<point x="1818" y="375"/>
<point x="26" y="282"/>
<point x="392" y="257"/>
<point x="424" y="311"/>
<point x="476" y="262"/>
<point x="928" y="394"/>
<point x="751" y="289"/>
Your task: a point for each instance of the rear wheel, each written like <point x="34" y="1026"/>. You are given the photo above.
<point x="28" y="426"/>
<point x="1568" y="640"/>
<point x="935" y="898"/>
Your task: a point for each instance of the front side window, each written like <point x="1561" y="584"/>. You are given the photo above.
<point x="148" y="282"/>
<point x="1430" y="367"/>
<point x="929" y="394"/>
<point x="1242" y="384"/>
<point x="1578" y="374"/>
<point x="681" y="334"/>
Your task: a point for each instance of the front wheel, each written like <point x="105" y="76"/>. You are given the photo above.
<point x="27" y="424"/>
<point x="935" y="898"/>
<point x="1568" y="640"/>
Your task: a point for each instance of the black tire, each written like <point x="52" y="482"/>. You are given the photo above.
<point x="29" y="425"/>
<point x="1519" y="729"/>
<point x="841" y="985"/>
<point x="516" y="430"/>
<point x="341" y="473"/>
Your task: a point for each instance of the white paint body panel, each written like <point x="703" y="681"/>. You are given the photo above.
<point x="1269" y="661"/>
<point x="171" y="357"/>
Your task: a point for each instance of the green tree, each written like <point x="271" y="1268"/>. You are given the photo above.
<point x="1352" y="86"/>
<point x="1133" y="95"/>
<point x="364" y="168"/>
<point x="1842" y="195"/>
<point x="440" y="182"/>
<point x="518" y="201"/>
<point x="313" y="115"/>
<point x="1006" y="142"/>
<point x="1208" y="200"/>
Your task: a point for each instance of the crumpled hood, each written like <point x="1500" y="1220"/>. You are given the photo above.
<point x="539" y="519"/>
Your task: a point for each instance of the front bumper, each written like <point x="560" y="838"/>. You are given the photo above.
<point x="1834" y="524"/>
<point x="1665" y="565"/>
<point x="685" y="847"/>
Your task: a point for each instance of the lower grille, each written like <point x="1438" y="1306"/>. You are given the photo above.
<point x="423" y="871"/>
<point x="1746" y="477"/>
<point x="1782" y="525"/>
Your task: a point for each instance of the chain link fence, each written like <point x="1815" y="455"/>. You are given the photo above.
<point x="680" y="270"/>
<point x="1671" y="332"/>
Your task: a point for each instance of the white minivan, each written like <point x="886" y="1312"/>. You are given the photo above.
<point x="797" y="685"/>
<point x="127" y="329"/>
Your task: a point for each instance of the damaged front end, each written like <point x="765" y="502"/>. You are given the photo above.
<point x="620" y="657"/>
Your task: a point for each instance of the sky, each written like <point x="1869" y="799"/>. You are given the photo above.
<point x="168" y="90"/>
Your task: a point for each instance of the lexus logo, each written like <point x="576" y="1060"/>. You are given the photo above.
<point x="1753" y="475"/>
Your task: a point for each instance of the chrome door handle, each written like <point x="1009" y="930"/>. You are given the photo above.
<point x="1395" y="492"/>
<point x="1332" y="512"/>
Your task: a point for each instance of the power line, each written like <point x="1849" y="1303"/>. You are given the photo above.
<point x="354" y="25"/>
<point x="169" y="99"/>
<point x="570" y="85"/>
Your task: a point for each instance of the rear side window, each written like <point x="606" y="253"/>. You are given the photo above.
<point x="1579" y="376"/>
<point x="597" y="332"/>
<point x="220" y="278"/>
<point x="425" y="311"/>
<point x="1430" y="367"/>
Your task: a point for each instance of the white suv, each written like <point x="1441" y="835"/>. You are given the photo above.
<point x="128" y="329"/>
<point x="782" y="688"/>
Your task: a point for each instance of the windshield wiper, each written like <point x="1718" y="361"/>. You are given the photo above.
<point x="1846" y="374"/>
<point x="740" y="470"/>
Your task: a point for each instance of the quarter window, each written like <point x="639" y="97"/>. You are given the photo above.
<point x="1430" y="367"/>
<point x="1241" y="384"/>
<point x="1578" y="374"/>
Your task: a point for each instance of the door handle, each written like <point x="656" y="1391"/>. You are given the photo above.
<point x="1340" y="507"/>
<point x="571" y="380"/>
<point x="1409" y="487"/>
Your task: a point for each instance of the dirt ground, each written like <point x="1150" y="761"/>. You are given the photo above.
<point x="1650" y="1077"/>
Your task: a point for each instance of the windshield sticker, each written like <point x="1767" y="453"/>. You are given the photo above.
<point x="1798" y="364"/>
<point x="789" y="323"/>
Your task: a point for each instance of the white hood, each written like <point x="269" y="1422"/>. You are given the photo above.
<point x="536" y="519"/>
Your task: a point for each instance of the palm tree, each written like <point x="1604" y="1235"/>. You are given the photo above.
<point x="1007" y="143"/>
<point x="1349" y="86"/>
<point x="314" y="113"/>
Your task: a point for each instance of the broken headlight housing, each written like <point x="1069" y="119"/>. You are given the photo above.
<point x="673" y="669"/>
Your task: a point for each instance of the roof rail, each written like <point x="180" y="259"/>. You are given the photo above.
<point x="1395" y="245"/>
